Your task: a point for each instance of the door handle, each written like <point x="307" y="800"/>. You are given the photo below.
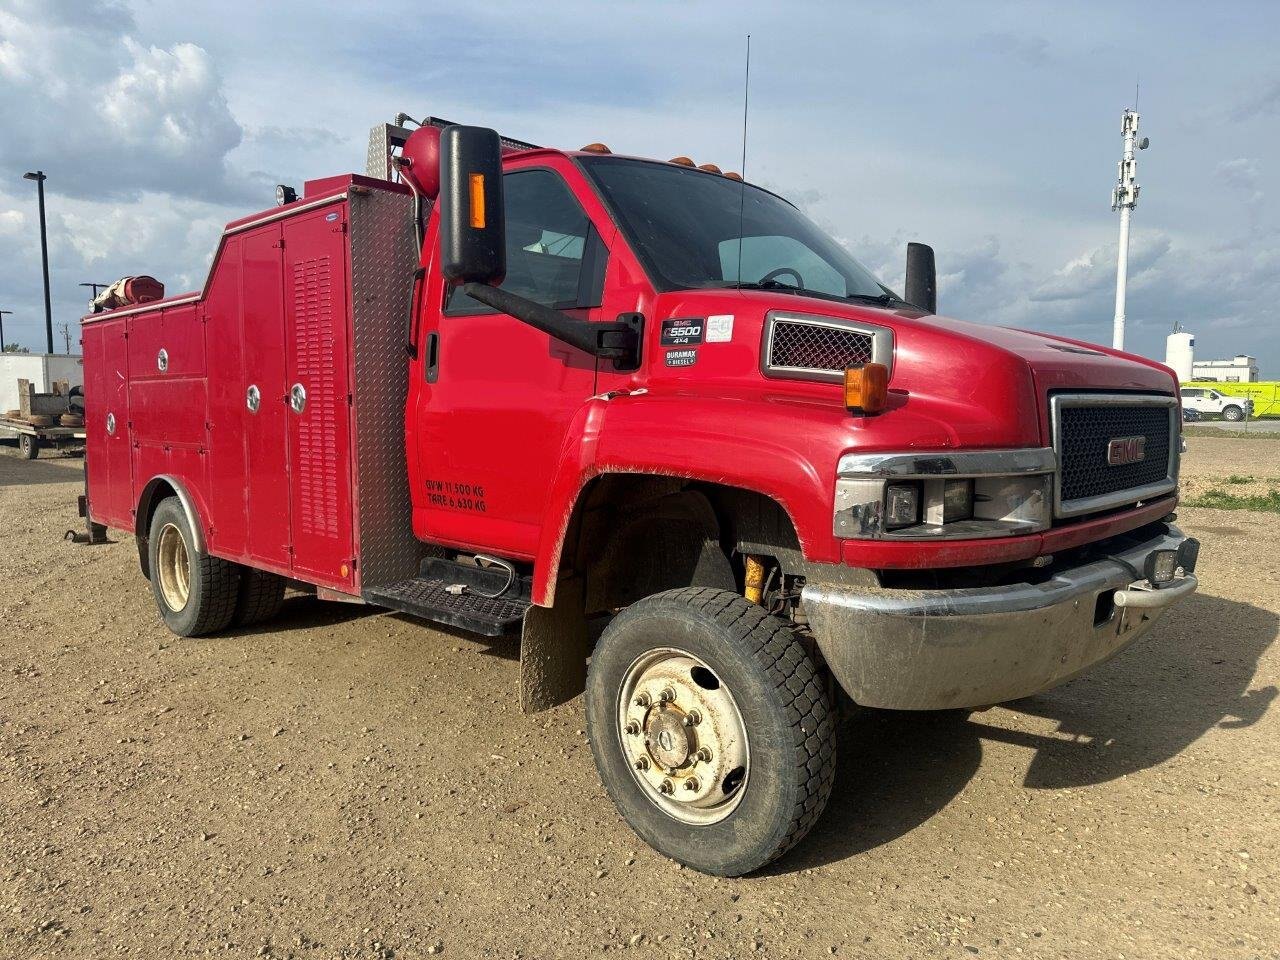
<point x="298" y="397"/>
<point x="253" y="398"/>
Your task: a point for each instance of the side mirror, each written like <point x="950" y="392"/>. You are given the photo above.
<point x="922" y="277"/>
<point x="473" y="243"/>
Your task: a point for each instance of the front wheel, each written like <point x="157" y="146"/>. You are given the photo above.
<point x="1233" y="413"/>
<point x="29" y="445"/>
<point x="711" y="729"/>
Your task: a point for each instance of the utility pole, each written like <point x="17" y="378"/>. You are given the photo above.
<point x="2" y="316"/>
<point x="40" y="178"/>
<point x="1124" y="197"/>
<point x="65" y="330"/>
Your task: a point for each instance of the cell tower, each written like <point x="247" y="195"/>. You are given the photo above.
<point x="1124" y="197"/>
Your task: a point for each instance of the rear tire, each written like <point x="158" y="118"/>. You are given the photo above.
<point x="1233" y="413"/>
<point x="29" y="446"/>
<point x="195" y="593"/>
<point x="743" y="672"/>
<point x="260" y="597"/>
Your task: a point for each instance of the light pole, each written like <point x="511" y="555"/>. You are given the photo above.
<point x="40" y="178"/>
<point x="2" y="315"/>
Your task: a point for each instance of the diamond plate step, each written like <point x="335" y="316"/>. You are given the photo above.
<point x="426" y="597"/>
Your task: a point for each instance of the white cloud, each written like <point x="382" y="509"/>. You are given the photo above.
<point x="106" y="114"/>
<point x="12" y="222"/>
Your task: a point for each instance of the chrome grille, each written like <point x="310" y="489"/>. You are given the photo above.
<point x="822" y="347"/>
<point x="1084" y="426"/>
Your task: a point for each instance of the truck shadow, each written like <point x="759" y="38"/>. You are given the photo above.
<point x="1192" y="674"/>
<point x="16" y="471"/>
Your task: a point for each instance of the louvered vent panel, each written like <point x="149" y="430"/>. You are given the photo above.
<point x="318" y="455"/>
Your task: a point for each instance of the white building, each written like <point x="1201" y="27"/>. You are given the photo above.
<point x="1240" y="369"/>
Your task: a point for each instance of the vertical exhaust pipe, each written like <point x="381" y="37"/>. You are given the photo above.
<point x="922" y="277"/>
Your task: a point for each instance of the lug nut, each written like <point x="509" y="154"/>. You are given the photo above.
<point x="642" y="763"/>
<point x="692" y="718"/>
<point x="667" y="695"/>
<point x="667" y="787"/>
<point x="643" y="700"/>
<point x="704" y="754"/>
<point x="633" y="727"/>
<point x="691" y="784"/>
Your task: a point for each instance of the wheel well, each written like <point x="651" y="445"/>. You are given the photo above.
<point x="157" y="490"/>
<point x="633" y="535"/>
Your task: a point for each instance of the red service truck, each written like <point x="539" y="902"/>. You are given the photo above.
<point x="651" y="420"/>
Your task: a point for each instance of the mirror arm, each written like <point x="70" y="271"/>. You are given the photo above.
<point x="618" y="341"/>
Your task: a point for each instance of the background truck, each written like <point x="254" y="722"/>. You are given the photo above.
<point x="1208" y="402"/>
<point x="644" y="414"/>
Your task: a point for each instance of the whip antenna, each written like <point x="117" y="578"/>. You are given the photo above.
<point x="742" y="190"/>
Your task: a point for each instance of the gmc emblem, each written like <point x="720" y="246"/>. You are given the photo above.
<point x="1122" y="450"/>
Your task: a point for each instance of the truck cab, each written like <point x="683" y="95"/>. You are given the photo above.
<point x="656" y="421"/>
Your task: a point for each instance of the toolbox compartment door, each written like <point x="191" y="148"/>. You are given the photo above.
<point x="319" y="419"/>
<point x="108" y="464"/>
<point x="266" y="441"/>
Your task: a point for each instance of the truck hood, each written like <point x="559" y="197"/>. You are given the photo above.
<point x="954" y="383"/>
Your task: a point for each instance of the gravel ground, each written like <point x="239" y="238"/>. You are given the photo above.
<point x="353" y="784"/>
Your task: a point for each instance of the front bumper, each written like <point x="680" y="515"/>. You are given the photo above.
<point x="946" y="649"/>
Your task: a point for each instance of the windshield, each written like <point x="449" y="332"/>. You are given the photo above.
<point x="693" y="230"/>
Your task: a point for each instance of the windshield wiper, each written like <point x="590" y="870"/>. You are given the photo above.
<point x="765" y="285"/>
<point x="880" y="299"/>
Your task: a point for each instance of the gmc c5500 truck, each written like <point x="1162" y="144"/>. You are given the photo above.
<point x="538" y="392"/>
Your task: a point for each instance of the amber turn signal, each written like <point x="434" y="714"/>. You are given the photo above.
<point x="866" y="387"/>
<point x="477" y="200"/>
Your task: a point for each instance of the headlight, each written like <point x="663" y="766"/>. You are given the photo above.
<point x="944" y="496"/>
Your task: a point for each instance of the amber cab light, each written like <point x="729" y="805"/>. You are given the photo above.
<point x="866" y="387"/>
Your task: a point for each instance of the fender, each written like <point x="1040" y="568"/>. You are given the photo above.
<point x="143" y="512"/>
<point x="695" y="438"/>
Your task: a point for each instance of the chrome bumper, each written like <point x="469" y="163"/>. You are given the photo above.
<point x="947" y="649"/>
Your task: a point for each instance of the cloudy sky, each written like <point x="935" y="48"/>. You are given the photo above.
<point x="989" y="130"/>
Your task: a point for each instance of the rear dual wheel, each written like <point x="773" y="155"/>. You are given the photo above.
<point x="711" y="729"/>
<point x="197" y="593"/>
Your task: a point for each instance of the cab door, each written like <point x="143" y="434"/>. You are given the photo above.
<point x="497" y="398"/>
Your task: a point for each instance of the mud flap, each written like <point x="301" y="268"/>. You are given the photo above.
<point x="553" y="650"/>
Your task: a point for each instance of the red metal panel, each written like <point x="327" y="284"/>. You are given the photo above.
<point x="177" y="332"/>
<point x="106" y="399"/>
<point x="317" y="337"/>
<point x="265" y="437"/>
<point x="226" y="461"/>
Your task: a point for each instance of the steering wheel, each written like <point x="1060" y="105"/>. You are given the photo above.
<point x="773" y="275"/>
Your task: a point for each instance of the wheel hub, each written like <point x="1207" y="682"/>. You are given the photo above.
<point x="683" y="736"/>
<point x="666" y="738"/>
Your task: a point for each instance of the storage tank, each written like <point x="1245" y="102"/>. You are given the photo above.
<point x="1179" y="353"/>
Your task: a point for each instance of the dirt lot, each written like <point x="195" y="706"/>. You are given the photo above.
<point x="353" y="784"/>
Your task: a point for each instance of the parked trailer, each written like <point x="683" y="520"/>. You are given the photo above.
<point x="32" y="439"/>
<point x="543" y="386"/>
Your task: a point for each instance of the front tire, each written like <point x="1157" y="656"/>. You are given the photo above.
<point x="1233" y="413"/>
<point x="711" y="729"/>
<point x="195" y="593"/>
<point x="29" y="446"/>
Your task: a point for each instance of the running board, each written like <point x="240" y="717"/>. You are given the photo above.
<point x="457" y="595"/>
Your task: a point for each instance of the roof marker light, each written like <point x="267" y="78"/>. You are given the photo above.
<point x="682" y="161"/>
<point x="709" y="167"/>
<point x="596" y="148"/>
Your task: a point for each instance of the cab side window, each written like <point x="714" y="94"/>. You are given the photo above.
<point x="554" y="255"/>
